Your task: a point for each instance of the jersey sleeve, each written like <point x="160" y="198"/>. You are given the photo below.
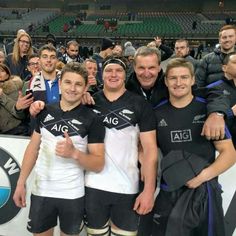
<point x="147" y="121"/>
<point x="96" y="132"/>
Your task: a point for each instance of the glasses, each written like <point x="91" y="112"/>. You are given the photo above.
<point x="23" y="41"/>
<point x="33" y="64"/>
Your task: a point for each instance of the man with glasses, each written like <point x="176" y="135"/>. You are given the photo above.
<point x="182" y="51"/>
<point x="33" y="66"/>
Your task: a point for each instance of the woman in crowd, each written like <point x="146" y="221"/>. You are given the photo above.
<point x="17" y="61"/>
<point x="13" y="104"/>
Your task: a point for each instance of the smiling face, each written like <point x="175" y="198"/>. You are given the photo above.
<point x="33" y="65"/>
<point x="72" y="87"/>
<point x="227" y="40"/>
<point x="179" y="82"/>
<point x="114" y="77"/>
<point x="48" y="61"/>
<point x="147" y="69"/>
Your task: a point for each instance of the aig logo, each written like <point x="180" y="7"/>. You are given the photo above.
<point x="179" y="136"/>
<point x="9" y="173"/>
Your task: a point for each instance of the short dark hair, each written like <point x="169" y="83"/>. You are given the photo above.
<point x="33" y="56"/>
<point x="75" y="67"/>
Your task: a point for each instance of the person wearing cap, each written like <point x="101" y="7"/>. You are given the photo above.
<point x="107" y="45"/>
<point x="129" y="52"/>
<point x="113" y="204"/>
<point x="196" y="180"/>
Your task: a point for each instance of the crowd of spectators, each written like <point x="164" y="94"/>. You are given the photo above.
<point x="28" y="74"/>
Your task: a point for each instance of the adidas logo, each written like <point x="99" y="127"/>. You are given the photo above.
<point x="162" y="123"/>
<point x="48" y="118"/>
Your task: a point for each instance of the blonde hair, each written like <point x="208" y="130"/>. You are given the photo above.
<point x="16" y="49"/>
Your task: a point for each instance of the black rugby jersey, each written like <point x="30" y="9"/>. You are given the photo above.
<point x="180" y="129"/>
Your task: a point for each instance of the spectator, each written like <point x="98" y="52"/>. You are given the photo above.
<point x="91" y="67"/>
<point x="107" y="45"/>
<point x="72" y="53"/>
<point x="10" y="45"/>
<point x="33" y="66"/>
<point x="166" y="51"/>
<point x="117" y="50"/>
<point x="13" y="104"/>
<point x="2" y="56"/>
<point x="210" y="67"/>
<point x="45" y="85"/>
<point x="129" y="52"/>
<point x="50" y="39"/>
<point x="18" y="60"/>
<point x="182" y="50"/>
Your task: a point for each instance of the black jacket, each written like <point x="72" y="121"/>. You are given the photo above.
<point x="155" y="95"/>
<point x="196" y="211"/>
<point x="20" y="68"/>
<point x="210" y="68"/>
<point x="228" y="89"/>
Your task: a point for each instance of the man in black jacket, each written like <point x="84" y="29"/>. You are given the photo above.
<point x="210" y="67"/>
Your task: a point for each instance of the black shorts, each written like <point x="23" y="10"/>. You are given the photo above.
<point x="101" y="206"/>
<point x="44" y="212"/>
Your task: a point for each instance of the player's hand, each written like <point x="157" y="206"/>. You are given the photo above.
<point x="87" y="99"/>
<point x="65" y="148"/>
<point x="36" y="107"/>
<point x="144" y="203"/>
<point x="214" y="127"/>
<point x="19" y="196"/>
